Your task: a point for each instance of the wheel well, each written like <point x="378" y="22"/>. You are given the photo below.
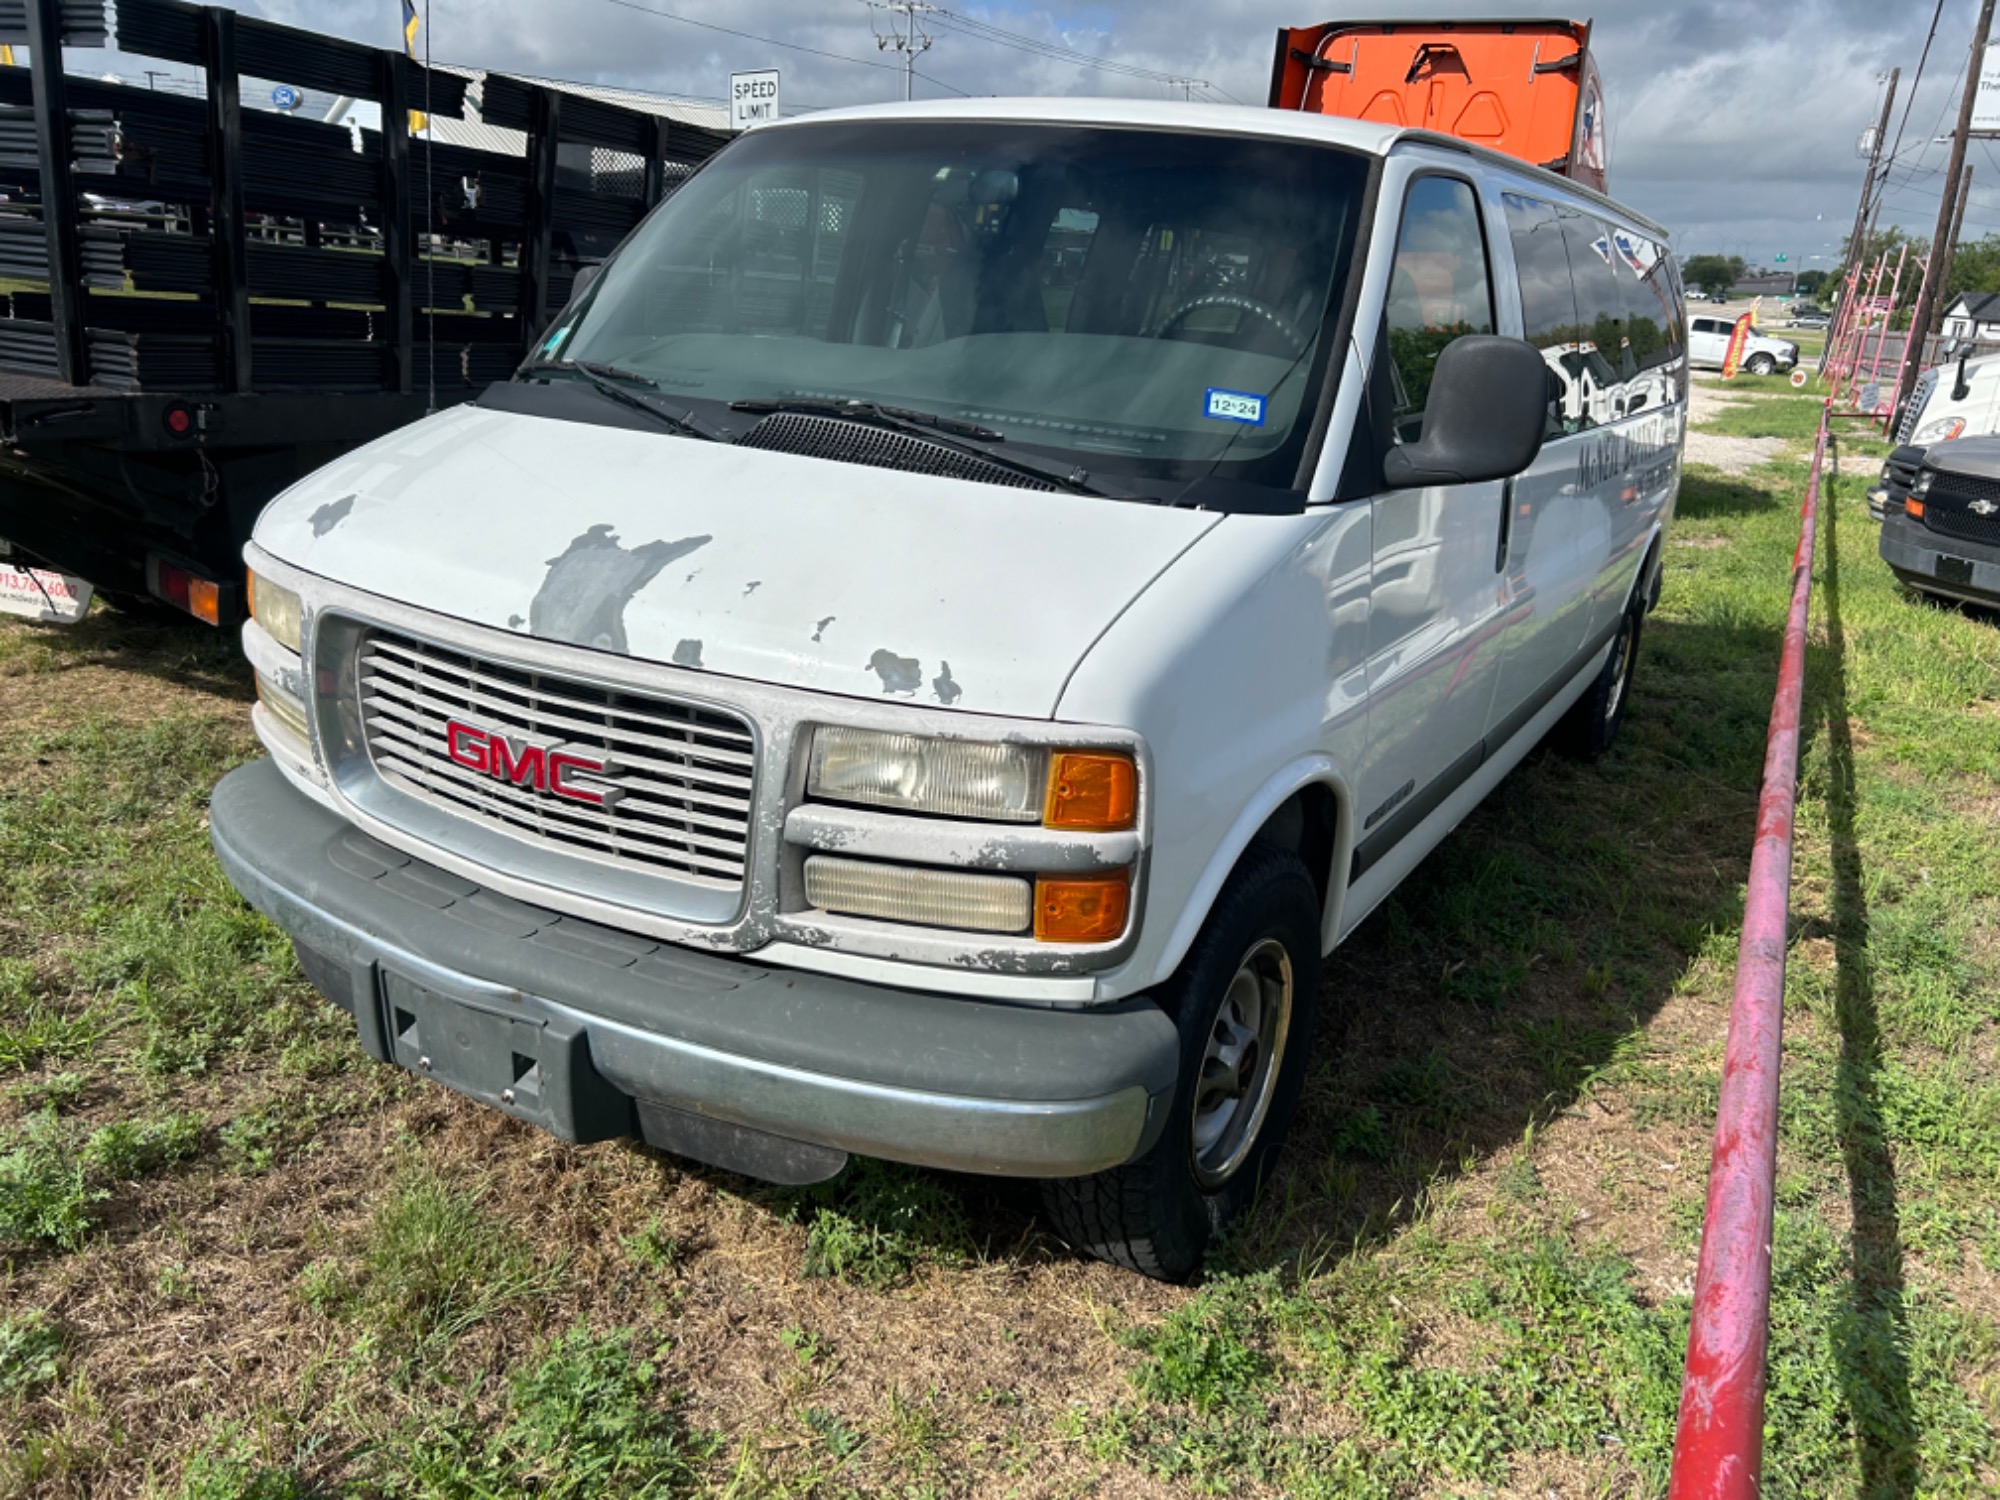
<point x="1308" y="824"/>
<point x="1652" y="573"/>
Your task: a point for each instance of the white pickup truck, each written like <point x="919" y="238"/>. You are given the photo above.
<point x="951" y="626"/>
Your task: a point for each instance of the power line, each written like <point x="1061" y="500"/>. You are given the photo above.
<point x="906" y="36"/>
<point x="953" y="88"/>
<point x="1922" y="58"/>
<point x="1056" y="52"/>
<point x="748" y="36"/>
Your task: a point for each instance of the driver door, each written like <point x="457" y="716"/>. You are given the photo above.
<point x="1434" y="619"/>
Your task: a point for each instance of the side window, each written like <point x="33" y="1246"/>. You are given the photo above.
<point x="1604" y="353"/>
<point x="1652" y="320"/>
<point x="1438" y="290"/>
<point x="1548" y="304"/>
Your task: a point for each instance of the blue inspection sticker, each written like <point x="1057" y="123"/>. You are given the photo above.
<point x="1234" y="406"/>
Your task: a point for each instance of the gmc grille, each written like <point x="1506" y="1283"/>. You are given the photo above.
<point x="684" y="774"/>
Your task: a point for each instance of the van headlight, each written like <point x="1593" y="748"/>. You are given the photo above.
<point x="1943" y="430"/>
<point x="1083" y="790"/>
<point x="915" y="773"/>
<point x="277" y="609"/>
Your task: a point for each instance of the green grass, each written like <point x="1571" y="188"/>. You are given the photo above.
<point x="1469" y="1275"/>
<point x="436" y="1263"/>
<point x="1795" y="417"/>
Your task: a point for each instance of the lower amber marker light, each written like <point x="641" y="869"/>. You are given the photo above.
<point x="1082" y="908"/>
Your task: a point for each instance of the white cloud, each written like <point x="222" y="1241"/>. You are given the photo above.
<point x="1733" y="122"/>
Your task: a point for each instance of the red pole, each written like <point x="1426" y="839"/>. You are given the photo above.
<point x="1889" y="415"/>
<point x="1856" y="329"/>
<point x="1861" y="334"/>
<point x="1719" y="1446"/>
<point x="1875" y="364"/>
<point x="1829" y="354"/>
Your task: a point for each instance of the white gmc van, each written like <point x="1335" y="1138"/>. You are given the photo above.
<point x="950" y="628"/>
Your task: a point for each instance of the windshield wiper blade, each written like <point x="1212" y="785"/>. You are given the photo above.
<point x="606" y="380"/>
<point x="960" y="436"/>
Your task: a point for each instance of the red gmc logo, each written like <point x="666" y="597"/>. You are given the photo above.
<point x="542" y="767"/>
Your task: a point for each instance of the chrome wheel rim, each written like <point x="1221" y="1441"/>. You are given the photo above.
<point x="1240" y="1063"/>
<point x="1627" y="640"/>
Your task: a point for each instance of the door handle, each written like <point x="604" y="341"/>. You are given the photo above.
<point x="1506" y="525"/>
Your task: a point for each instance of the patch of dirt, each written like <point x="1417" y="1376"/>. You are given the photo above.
<point x="1708" y="400"/>
<point x="1732" y="455"/>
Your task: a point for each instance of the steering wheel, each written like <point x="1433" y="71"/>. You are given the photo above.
<point x="1250" y="305"/>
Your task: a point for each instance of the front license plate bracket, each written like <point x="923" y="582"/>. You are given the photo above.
<point x="1950" y="569"/>
<point x="535" y="1066"/>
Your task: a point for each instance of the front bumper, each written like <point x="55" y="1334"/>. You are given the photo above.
<point x="590" y="1032"/>
<point x="1940" y="565"/>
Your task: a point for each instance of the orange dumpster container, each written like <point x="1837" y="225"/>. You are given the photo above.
<point x="1528" y="88"/>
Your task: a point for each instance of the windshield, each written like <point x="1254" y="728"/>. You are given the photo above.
<point x="1143" y="302"/>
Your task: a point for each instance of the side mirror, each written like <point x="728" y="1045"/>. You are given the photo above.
<point x="1484" y="419"/>
<point x="582" y="280"/>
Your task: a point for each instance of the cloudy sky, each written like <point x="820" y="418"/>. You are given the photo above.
<point x="1733" y="122"/>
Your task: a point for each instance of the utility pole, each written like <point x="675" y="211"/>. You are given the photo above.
<point x="1950" y="250"/>
<point x="1857" y="248"/>
<point x="906" y="34"/>
<point x="1920" y="320"/>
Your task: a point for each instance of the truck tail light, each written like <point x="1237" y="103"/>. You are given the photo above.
<point x="200" y="597"/>
<point x="1082" y="908"/>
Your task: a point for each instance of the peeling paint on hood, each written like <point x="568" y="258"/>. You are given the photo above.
<point x="482" y="515"/>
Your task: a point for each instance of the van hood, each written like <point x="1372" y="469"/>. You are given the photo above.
<point x="787" y="570"/>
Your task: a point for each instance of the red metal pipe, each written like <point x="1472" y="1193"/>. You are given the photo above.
<point x="1882" y="336"/>
<point x="1719" y="1445"/>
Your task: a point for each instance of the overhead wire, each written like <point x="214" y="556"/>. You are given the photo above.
<point x="1922" y="57"/>
<point x="748" y="36"/>
<point x="1058" y="52"/>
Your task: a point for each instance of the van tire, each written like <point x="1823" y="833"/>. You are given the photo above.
<point x="1587" y="731"/>
<point x="1160" y="1214"/>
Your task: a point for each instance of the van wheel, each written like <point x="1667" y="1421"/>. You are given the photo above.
<point x="1244" y="1000"/>
<point x="1588" y="729"/>
<point x="1761" y="364"/>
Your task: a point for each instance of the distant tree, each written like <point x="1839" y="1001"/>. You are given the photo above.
<point x="1712" y="273"/>
<point x="1885" y="242"/>
<point x="1810" y="282"/>
<point x="1975" y="266"/>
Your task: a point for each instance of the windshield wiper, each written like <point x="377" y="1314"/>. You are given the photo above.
<point x="607" y="381"/>
<point x="954" y="433"/>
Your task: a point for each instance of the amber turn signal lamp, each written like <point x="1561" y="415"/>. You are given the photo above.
<point x="1091" y="791"/>
<point x="1914" y="509"/>
<point x="1082" y="908"/>
<point x="199" y="596"/>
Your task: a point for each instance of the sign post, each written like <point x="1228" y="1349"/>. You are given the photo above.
<point x="753" y="98"/>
